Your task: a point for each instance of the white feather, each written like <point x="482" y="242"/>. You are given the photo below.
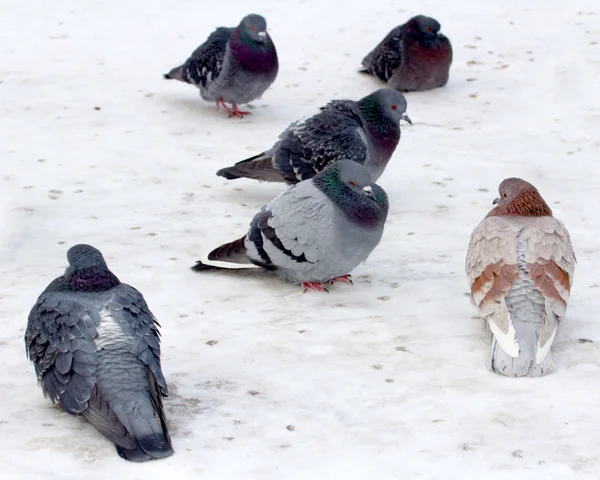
<point x="507" y="341"/>
<point x="542" y="352"/>
<point x="109" y="331"/>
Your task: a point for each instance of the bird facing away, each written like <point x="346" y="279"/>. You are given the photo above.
<point x="413" y="56"/>
<point x="520" y="265"/>
<point x="234" y="65"/>
<point x="366" y="132"/>
<point x="316" y="232"/>
<point x="95" y="347"/>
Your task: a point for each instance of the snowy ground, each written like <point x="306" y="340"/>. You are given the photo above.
<point x="385" y="380"/>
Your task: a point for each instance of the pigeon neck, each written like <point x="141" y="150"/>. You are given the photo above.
<point x="254" y="56"/>
<point x="93" y="278"/>
<point x="528" y="203"/>
<point x="356" y="208"/>
<point x="382" y="130"/>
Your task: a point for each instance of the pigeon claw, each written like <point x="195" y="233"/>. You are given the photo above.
<point x="347" y="279"/>
<point x="318" y="286"/>
<point x="233" y="111"/>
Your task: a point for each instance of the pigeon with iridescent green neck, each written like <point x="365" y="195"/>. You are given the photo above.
<point x="234" y="65"/>
<point x="366" y="131"/>
<point x="315" y="232"/>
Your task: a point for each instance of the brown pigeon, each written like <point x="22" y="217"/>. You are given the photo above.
<point x="520" y="267"/>
<point x="413" y="56"/>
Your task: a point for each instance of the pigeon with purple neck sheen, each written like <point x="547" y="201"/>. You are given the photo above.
<point x="413" y="56"/>
<point x="520" y="266"/>
<point x="95" y="347"/>
<point x="234" y="65"/>
<point x="366" y="131"/>
<point x="315" y="232"/>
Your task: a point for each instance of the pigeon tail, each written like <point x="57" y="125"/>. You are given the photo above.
<point x="229" y="253"/>
<point x="233" y="252"/>
<point x="256" y="168"/>
<point x="150" y="447"/>
<point x="529" y="353"/>
<point x="175" y="74"/>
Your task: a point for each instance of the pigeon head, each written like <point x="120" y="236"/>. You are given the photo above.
<point x="382" y="112"/>
<point x="349" y="186"/>
<point x="426" y="25"/>
<point x="87" y="271"/>
<point x="392" y="104"/>
<point x="254" y="28"/>
<point x="519" y="198"/>
<point x="84" y="254"/>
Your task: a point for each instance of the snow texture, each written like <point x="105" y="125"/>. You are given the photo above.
<point x="383" y="380"/>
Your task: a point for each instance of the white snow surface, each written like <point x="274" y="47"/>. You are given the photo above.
<point x="383" y="380"/>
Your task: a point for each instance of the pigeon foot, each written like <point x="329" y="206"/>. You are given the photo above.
<point x="233" y="111"/>
<point x="318" y="286"/>
<point x="347" y="279"/>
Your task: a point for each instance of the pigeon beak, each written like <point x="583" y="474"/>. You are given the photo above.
<point x="496" y="200"/>
<point x="369" y="191"/>
<point x="262" y="36"/>
<point x="406" y="118"/>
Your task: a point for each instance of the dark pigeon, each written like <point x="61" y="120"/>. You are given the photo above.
<point x="234" y="65"/>
<point x="413" y="56"/>
<point x="95" y="347"/>
<point x="366" y="132"/>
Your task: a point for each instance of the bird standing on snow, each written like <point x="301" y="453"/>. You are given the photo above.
<point x="413" y="56"/>
<point x="366" y="132"/>
<point x="317" y="231"/>
<point x="234" y="65"/>
<point x="520" y="266"/>
<point x="96" y="351"/>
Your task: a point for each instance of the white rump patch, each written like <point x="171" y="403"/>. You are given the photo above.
<point x="109" y="331"/>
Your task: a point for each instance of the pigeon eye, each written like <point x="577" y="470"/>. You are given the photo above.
<point x="252" y="28"/>
<point x="351" y="183"/>
<point x="505" y="195"/>
<point x="394" y="107"/>
<point x="429" y="29"/>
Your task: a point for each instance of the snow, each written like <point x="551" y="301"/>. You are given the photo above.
<point x="386" y="379"/>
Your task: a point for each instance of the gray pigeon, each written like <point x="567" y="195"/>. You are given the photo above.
<point x="413" y="56"/>
<point x="366" y="132"/>
<point x="234" y="65"/>
<point x="96" y="351"/>
<point x="317" y="231"/>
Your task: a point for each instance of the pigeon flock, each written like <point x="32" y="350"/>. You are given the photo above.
<point x="95" y="344"/>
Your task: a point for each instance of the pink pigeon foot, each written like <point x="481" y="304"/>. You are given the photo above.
<point x="318" y="286"/>
<point x="233" y="111"/>
<point x="347" y="279"/>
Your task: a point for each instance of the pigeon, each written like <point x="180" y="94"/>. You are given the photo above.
<point x="315" y="232"/>
<point x="520" y="265"/>
<point x="95" y="347"/>
<point x="366" y="131"/>
<point x="413" y="56"/>
<point x="234" y="65"/>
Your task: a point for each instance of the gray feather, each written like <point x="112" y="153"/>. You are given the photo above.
<point x="318" y="229"/>
<point x="96" y="351"/>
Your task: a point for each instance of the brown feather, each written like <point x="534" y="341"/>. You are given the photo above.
<point x="547" y="276"/>
<point x="525" y="200"/>
<point x="502" y="276"/>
